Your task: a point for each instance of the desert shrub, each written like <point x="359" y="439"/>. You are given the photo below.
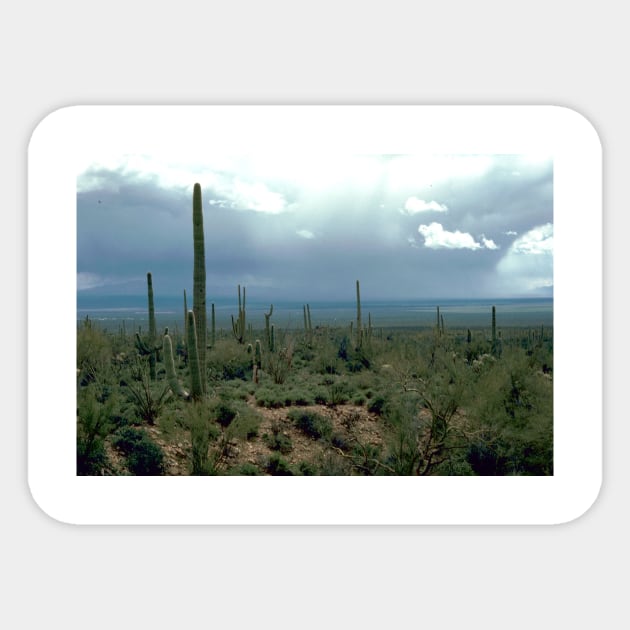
<point x="340" y="442"/>
<point x="270" y="398"/>
<point x="246" y="424"/>
<point x="95" y="421"/>
<point x="312" y="424"/>
<point x="94" y="352"/>
<point x="148" y="398"/>
<point x="278" y="441"/>
<point x="332" y="464"/>
<point x="247" y="469"/>
<point x="278" y="466"/>
<point x="224" y="414"/>
<point x="203" y="432"/>
<point x="142" y="455"/>
<point x="307" y="469"/>
<point x="229" y="361"/>
<point x="377" y="405"/>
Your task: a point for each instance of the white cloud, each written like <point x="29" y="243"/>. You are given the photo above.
<point x="539" y="240"/>
<point x="413" y="205"/>
<point x="511" y="233"/>
<point x="305" y="234"/>
<point x="528" y="264"/>
<point x="436" y="237"/>
<point x="257" y="197"/>
<point x="488" y="243"/>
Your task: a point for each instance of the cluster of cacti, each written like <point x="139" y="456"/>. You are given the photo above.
<point x="239" y="326"/>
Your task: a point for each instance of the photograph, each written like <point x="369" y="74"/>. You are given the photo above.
<point x="319" y="312"/>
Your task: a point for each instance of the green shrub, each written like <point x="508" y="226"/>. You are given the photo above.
<point x="377" y="405"/>
<point x="278" y="466"/>
<point x="247" y="469"/>
<point x="95" y="421"/>
<point x="142" y="455"/>
<point x="224" y="414"/>
<point x="311" y="423"/>
<point x="278" y="441"/>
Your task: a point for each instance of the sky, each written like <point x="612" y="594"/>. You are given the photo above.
<point x="306" y="227"/>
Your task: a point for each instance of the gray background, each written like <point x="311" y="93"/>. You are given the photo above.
<point x="65" y="53"/>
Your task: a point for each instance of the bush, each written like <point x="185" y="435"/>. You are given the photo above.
<point x="224" y="414"/>
<point x="311" y="423"/>
<point x="278" y="466"/>
<point x="142" y="455"/>
<point x="377" y="405"/>
<point x="278" y="441"/>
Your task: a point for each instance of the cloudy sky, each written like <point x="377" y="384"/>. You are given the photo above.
<point x="306" y="227"/>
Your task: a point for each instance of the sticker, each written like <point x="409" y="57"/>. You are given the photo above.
<point x="432" y="277"/>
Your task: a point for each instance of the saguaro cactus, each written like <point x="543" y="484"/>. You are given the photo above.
<point x="199" y="281"/>
<point x="359" y="329"/>
<point x="213" y="329"/>
<point x="196" y="389"/>
<point x="268" y="329"/>
<point x="239" y="326"/>
<point x="151" y="346"/>
<point x="169" y="364"/>
<point x="308" y="328"/>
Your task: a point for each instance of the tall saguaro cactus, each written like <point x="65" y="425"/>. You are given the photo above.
<point x="151" y="346"/>
<point x="199" y="282"/>
<point x="359" y="329"/>
<point x="268" y="328"/>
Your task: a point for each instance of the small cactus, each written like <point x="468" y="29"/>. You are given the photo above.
<point x="239" y="325"/>
<point x="169" y="364"/>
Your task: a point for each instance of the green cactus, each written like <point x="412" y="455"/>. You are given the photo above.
<point x="308" y="328"/>
<point x="199" y="280"/>
<point x="196" y="382"/>
<point x="151" y="346"/>
<point x="268" y="329"/>
<point x="272" y="339"/>
<point x="169" y="364"/>
<point x="239" y="326"/>
<point x="359" y="328"/>
<point x="213" y="329"/>
<point x="185" y="313"/>
<point x="258" y="354"/>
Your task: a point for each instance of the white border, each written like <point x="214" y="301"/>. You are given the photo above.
<point x="59" y="146"/>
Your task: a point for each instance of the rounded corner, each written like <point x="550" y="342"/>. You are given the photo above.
<point x="585" y="507"/>
<point x="43" y="509"/>
<point x="580" y="122"/>
<point x="48" y="119"/>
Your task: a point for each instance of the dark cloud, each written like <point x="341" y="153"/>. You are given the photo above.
<point x="310" y="239"/>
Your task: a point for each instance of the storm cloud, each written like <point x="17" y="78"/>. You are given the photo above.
<point x="306" y="227"/>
